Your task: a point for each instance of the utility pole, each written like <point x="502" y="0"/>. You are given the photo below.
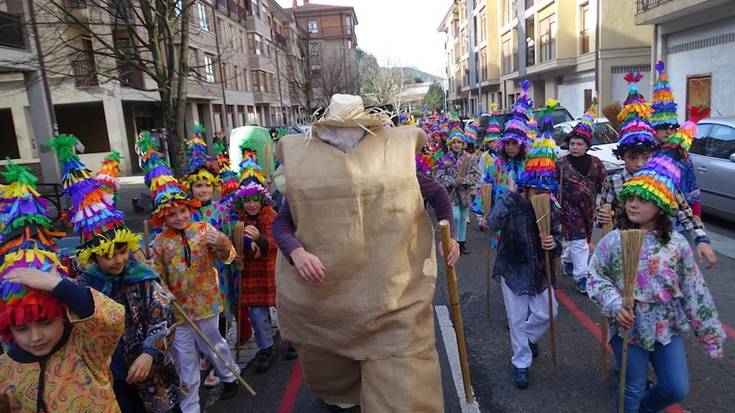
<point x="225" y="116"/>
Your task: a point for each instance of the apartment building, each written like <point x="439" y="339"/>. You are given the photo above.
<point x="696" y="40"/>
<point x="235" y="49"/>
<point x="571" y="50"/>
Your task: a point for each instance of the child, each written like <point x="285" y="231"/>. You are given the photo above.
<point x="581" y="175"/>
<point x="458" y="172"/>
<point x="519" y="266"/>
<point x="60" y="336"/>
<point x="184" y="255"/>
<point x="670" y="292"/>
<point x="143" y="381"/>
<point x="258" y="262"/>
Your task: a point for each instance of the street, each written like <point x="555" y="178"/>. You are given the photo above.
<point x="573" y="385"/>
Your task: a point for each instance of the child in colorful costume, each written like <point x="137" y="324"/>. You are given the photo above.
<point x="185" y="254"/>
<point x="519" y="266"/>
<point x="670" y="292"/>
<point x="458" y="172"/>
<point x="144" y="381"/>
<point x="635" y="147"/>
<point x="581" y="175"/>
<point x="60" y="336"/>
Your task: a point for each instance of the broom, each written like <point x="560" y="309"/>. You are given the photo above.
<point x="542" y="209"/>
<point x="631" y="242"/>
<point x="611" y="111"/>
<point x="487" y="197"/>
<point x="606" y="228"/>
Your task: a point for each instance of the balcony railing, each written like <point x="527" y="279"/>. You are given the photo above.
<point x="75" y="4"/>
<point x="645" y="5"/>
<point x="530" y="55"/>
<point x="548" y="51"/>
<point x="85" y="73"/>
<point x="11" y="31"/>
<point x="584" y="39"/>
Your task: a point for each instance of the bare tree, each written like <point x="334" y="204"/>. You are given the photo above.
<point x="383" y="85"/>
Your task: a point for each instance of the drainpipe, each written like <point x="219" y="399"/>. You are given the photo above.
<point x="597" y="57"/>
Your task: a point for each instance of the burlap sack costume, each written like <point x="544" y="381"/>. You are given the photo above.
<point x="366" y="334"/>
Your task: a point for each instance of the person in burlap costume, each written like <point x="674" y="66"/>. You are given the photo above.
<point x="356" y="270"/>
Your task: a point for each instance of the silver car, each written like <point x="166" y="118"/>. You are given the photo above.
<point x="713" y="155"/>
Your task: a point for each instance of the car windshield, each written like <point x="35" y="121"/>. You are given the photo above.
<point x="603" y="134"/>
<point x="559" y="115"/>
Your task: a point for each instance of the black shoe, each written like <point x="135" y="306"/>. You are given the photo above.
<point x="520" y="379"/>
<point x="229" y="390"/>
<point x="534" y="349"/>
<point x="463" y="249"/>
<point x="291" y="353"/>
<point x="264" y="359"/>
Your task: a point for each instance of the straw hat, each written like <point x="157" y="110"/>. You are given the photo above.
<point x="349" y="111"/>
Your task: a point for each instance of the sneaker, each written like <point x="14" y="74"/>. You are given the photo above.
<point x="520" y="379"/>
<point x="582" y="285"/>
<point x="568" y="269"/>
<point x="229" y="390"/>
<point x="534" y="349"/>
<point x="463" y="249"/>
<point x="264" y="359"/>
<point x="291" y="353"/>
<point x="212" y="380"/>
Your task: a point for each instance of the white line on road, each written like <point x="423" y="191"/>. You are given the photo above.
<point x="450" y="345"/>
<point x="722" y="244"/>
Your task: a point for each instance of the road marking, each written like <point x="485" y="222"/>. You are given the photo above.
<point x="722" y="244"/>
<point x="288" y="400"/>
<point x="595" y="331"/>
<point x="450" y="346"/>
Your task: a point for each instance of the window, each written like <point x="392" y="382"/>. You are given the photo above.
<point x="483" y="64"/>
<point x="313" y="26"/>
<point x="720" y="142"/>
<point x="585" y="23"/>
<point x="483" y="27"/>
<point x="236" y="77"/>
<point x="530" y="42"/>
<point x="254" y="8"/>
<point x="209" y="68"/>
<point x="255" y="44"/>
<point x="507" y="56"/>
<point x="349" y="44"/>
<point x="203" y="13"/>
<point x="256" y="81"/>
<point x="245" y="86"/>
<point x="548" y="38"/>
<point x="348" y="24"/>
<point x="699" y="90"/>
<point x="587" y="98"/>
<point x="315" y="49"/>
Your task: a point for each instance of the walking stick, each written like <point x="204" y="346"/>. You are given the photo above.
<point x="456" y="312"/>
<point x="557" y="260"/>
<point x="631" y="242"/>
<point x="542" y="209"/>
<point x="487" y="197"/>
<point x="239" y="243"/>
<point x="169" y="295"/>
<point x="146" y="238"/>
<point x="606" y="228"/>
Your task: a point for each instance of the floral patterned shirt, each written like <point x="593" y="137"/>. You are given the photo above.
<point x="187" y="264"/>
<point x="578" y="193"/>
<point x="459" y="174"/>
<point x="670" y="293"/>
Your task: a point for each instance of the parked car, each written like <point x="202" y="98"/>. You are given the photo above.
<point x="713" y="155"/>
<point x="604" y="140"/>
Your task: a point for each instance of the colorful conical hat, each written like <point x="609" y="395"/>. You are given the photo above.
<point x="540" y="169"/>
<point x="199" y="165"/>
<point x="658" y="181"/>
<point x="584" y="129"/>
<point x="250" y="170"/>
<point x="456" y="135"/>
<point x="226" y="174"/>
<point x="26" y="241"/>
<point x="662" y="101"/>
<point x="109" y="174"/>
<point x="635" y="128"/>
<point x="166" y="191"/>
<point x="92" y="214"/>
<point x="516" y="127"/>
<point x="493" y="130"/>
<point x="471" y="131"/>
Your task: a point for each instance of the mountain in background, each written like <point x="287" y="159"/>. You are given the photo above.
<point x="411" y="74"/>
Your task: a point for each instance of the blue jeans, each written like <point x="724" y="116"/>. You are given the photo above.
<point x="260" y="320"/>
<point x="672" y="377"/>
<point x="459" y="214"/>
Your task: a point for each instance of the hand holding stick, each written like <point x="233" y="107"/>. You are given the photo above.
<point x="542" y="208"/>
<point x="487" y="198"/>
<point x="239" y="243"/>
<point x="606" y="228"/>
<point x="456" y="313"/>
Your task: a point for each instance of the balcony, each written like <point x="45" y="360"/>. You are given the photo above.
<point x="279" y="40"/>
<point x="645" y="5"/>
<point x="11" y="31"/>
<point x="663" y="11"/>
<point x="548" y="51"/>
<point x="77" y="11"/>
<point x="530" y="55"/>
<point x="85" y="73"/>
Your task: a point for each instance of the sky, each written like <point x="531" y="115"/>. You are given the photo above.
<point x="398" y="32"/>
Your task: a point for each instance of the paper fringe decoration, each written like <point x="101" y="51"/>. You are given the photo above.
<point x="635" y="129"/>
<point x="226" y="174"/>
<point x="109" y="174"/>
<point x="199" y="165"/>
<point x="584" y="129"/>
<point x="516" y="127"/>
<point x="663" y="104"/>
<point x="540" y="169"/>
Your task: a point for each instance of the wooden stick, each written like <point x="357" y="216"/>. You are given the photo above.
<point x="631" y="242"/>
<point x="146" y="238"/>
<point x="552" y="333"/>
<point x="606" y="228"/>
<point x="169" y="295"/>
<point x="487" y="197"/>
<point x="239" y="243"/>
<point x="542" y="209"/>
<point x="456" y="312"/>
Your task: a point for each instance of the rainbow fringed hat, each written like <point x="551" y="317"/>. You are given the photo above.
<point x="662" y="101"/>
<point x="252" y="181"/>
<point x="635" y="130"/>
<point x="471" y="131"/>
<point x="109" y="174"/>
<point x="492" y="133"/>
<point x="199" y="165"/>
<point x="26" y="241"/>
<point x="166" y="191"/>
<point x="226" y="174"/>
<point x="93" y="214"/>
<point x="585" y="127"/>
<point x="456" y="135"/>
<point x="516" y="127"/>
<point x="532" y="129"/>
<point x="250" y="170"/>
<point x="540" y="169"/>
<point x="658" y="181"/>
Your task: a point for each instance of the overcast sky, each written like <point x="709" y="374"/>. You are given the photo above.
<point x="398" y="32"/>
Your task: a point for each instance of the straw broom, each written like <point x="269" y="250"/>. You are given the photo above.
<point x="542" y="208"/>
<point x="631" y="242"/>
<point x="238" y="241"/>
<point x="487" y="197"/>
<point x="456" y="312"/>
<point x="606" y="228"/>
<point x="611" y="111"/>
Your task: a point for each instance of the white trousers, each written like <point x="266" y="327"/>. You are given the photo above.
<point x="577" y="252"/>
<point x="528" y="319"/>
<point x="186" y="349"/>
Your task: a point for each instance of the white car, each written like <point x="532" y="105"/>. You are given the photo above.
<point x="604" y="141"/>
